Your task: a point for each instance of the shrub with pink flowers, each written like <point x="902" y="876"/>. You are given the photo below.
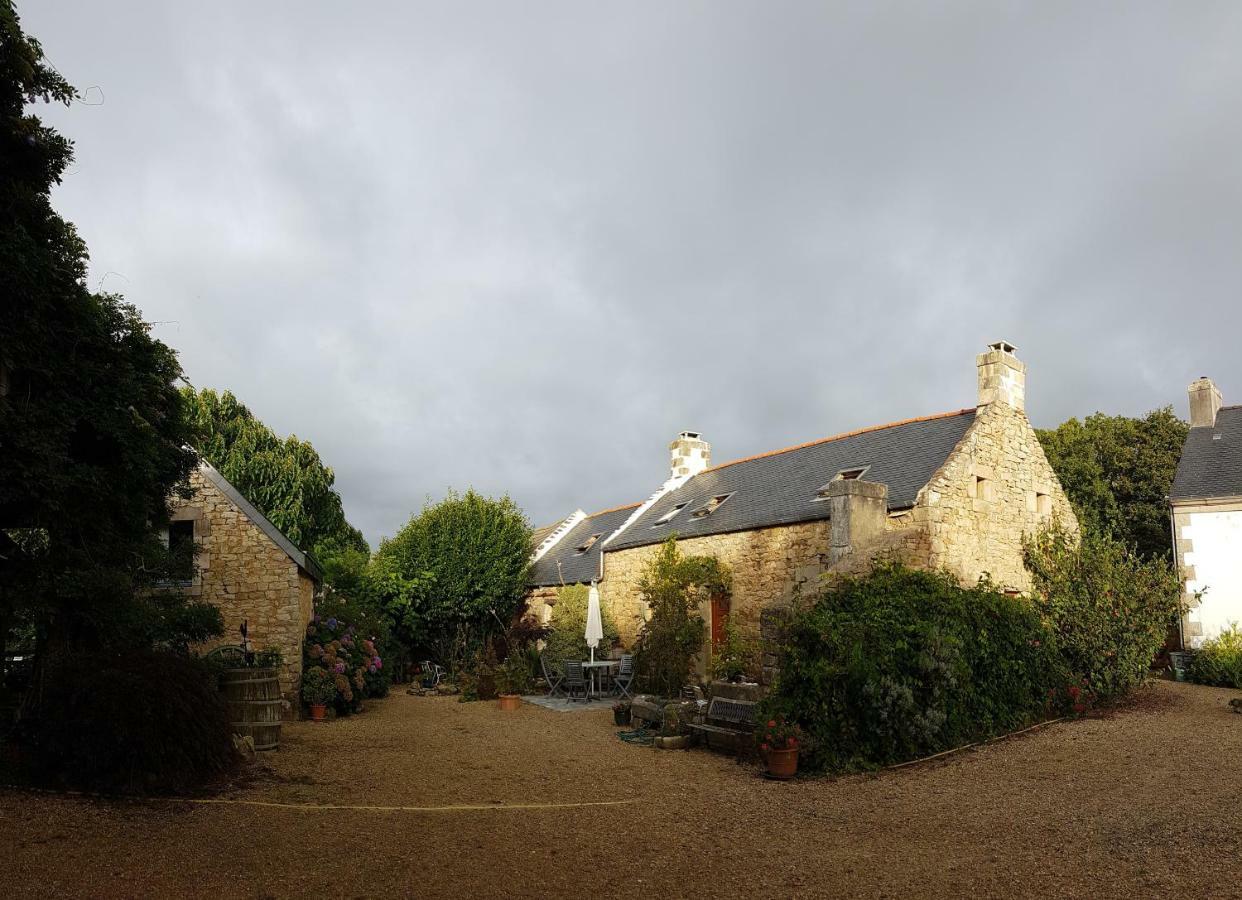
<point x="349" y="654"/>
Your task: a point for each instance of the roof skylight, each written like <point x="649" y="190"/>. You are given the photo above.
<point x="668" y="516"/>
<point x="711" y="505"/>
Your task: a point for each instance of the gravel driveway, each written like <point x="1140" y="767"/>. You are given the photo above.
<point x="1142" y="802"/>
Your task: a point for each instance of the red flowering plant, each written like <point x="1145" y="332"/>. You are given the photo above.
<point x="777" y="733"/>
<point x="1073" y="698"/>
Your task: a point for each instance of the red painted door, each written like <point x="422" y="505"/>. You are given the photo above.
<point x="720" y="615"/>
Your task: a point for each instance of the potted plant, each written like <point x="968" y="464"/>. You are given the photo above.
<point x="318" y="690"/>
<point x="779" y="742"/>
<point x="512" y="680"/>
<point x="621" y="712"/>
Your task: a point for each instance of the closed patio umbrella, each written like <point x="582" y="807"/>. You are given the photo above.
<point x="595" y="622"/>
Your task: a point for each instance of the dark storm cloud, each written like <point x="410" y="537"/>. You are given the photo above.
<point x="520" y="246"/>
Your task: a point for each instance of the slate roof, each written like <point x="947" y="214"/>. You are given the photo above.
<point x="304" y="560"/>
<point x="1211" y="462"/>
<point x="574" y="566"/>
<point x="780" y="487"/>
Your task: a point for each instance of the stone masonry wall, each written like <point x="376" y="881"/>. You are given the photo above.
<point x="539" y="603"/>
<point x="241" y="571"/>
<point x="995" y="487"/>
<point x="970" y="519"/>
<point x="770" y="566"/>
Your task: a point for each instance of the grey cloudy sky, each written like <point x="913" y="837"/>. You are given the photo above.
<point x="519" y="246"/>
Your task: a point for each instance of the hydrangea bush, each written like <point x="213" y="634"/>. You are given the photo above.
<point x="352" y="659"/>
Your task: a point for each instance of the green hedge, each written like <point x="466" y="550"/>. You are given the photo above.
<point x="902" y="663"/>
<point x="1219" y="661"/>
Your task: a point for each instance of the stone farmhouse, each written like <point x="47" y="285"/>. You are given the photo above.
<point x="245" y="565"/>
<point x="1206" y="502"/>
<point x="954" y="491"/>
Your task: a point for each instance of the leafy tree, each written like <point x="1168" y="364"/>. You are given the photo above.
<point x="455" y="573"/>
<point x="1109" y="609"/>
<point x="673" y="585"/>
<point x="1118" y="472"/>
<point x="92" y="430"/>
<point x="284" y="478"/>
<point x="567" y="637"/>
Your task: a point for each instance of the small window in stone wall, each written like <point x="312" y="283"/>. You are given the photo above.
<point x="1043" y="504"/>
<point x="179" y="539"/>
<point x="983" y="488"/>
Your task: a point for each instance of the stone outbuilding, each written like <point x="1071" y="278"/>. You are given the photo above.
<point x="1206" y="501"/>
<point x="954" y="491"/>
<point x="247" y="567"/>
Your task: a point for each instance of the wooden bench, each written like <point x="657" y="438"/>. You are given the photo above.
<point x="733" y="719"/>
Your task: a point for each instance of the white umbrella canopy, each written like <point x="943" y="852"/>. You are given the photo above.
<point x="595" y="622"/>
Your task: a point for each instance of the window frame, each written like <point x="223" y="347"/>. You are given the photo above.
<point x="670" y="515"/>
<point x="719" y="499"/>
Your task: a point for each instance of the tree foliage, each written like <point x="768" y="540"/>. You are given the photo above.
<point x="455" y="573"/>
<point x="901" y="663"/>
<point x="1118" y="472"/>
<point x="567" y="637"/>
<point x="1109" y="609"/>
<point x="92" y="430"/>
<point x="673" y="585"/>
<point x="284" y="478"/>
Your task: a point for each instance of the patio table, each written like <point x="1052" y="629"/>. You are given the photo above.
<point x="598" y="665"/>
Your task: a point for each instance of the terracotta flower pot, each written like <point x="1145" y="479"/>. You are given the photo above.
<point x="783" y="763"/>
<point x="509" y="702"/>
<point x="318" y="711"/>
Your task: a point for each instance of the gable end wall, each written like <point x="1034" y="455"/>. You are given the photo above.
<point x="249" y="578"/>
<point x="969" y="535"/>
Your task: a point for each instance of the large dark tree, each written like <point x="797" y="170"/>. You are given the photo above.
<point x="283" y="477"/>
<point x="1118" y="471"/>
<point x="92" y="432"/>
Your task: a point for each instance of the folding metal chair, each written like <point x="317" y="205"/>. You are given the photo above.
<point x="432" y="672"/>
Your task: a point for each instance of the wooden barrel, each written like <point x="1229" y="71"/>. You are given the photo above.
<point x="255" y="706"/>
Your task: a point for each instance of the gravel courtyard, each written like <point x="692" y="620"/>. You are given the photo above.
<point x="1141" y="802"/>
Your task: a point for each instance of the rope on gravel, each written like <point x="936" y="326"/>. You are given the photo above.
<point x="639" y="736"/>
<point x="1002" y="737"/>
<point x="224" y="801"/>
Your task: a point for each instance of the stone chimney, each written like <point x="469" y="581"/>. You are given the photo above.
<point x="1205" y="402"/>
<point x="858" y="510"/>
<point x="1002" y="376"/>
<point x="690" y="454"/>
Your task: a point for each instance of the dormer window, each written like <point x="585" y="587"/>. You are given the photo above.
<point x="851" y="474"/>
<point x="589" y="542"/>
<point x="711" y="506"/>
<point x="668" y="516"/>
